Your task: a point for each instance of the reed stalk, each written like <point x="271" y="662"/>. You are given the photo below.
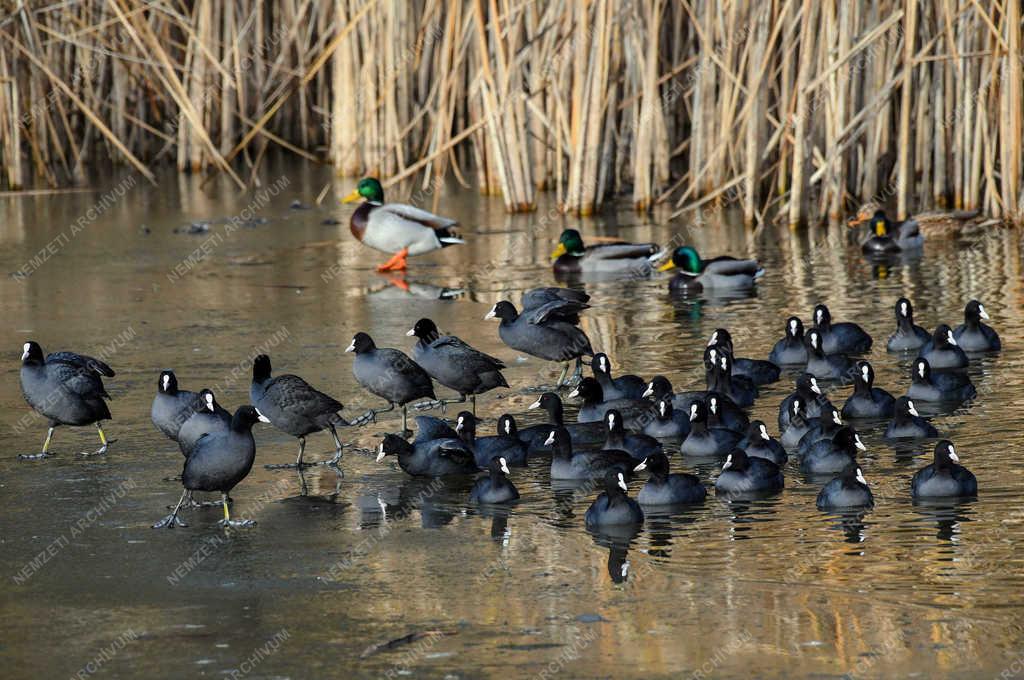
<point x="803" y="108"/>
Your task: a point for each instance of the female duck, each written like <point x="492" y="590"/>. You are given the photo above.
<point x="721" y="273"/>
<point x="942" y="350"/>
<point x="396" y="228"/>
<point x="572" y="257"/>
<point x="742" y="474"/>
<point x="908" y="335"/>
<point x="907" y="423"/>
<point x="867" y="401"/>
<point x="848" y="490"/>
<point x="613" y="507"/>
<point x="945" y="477"/>
<point x="664" y="488"/>
<point x="974" y="336"/>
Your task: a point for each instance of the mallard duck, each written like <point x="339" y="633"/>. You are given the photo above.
<point x="396" y="228"/>
<point x="570" y="256"/>
<point x="889" y="236"/>
<point x="720" y="273"/>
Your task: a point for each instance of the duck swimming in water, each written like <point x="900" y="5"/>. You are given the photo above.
<point x="889" y="237"/>
<point x="721" y="273"/>
<point x="570" y="256"/>
<point x="396" y="228"/>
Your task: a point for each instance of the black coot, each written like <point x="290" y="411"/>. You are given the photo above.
<point x="218" y="463"/>
<point x="389" y="374"/>
<point x="67" y="389"/>
<point x="455" y="364"/>
<point x="295" y="407"/>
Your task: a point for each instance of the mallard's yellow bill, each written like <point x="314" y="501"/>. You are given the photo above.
<point x="668" y="265"/>
<point x="354" y="196"/>
<point x="880" y="228"/>
<point x="558" y="251"/>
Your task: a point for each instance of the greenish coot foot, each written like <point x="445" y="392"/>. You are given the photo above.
<point x="334" y="464"/>
<point x="238" y="523"/>
<point x="442" y="404"/>
<point x="172" y="520"/>
<point x="34" y="456"/>
<point x="368" y="417"/>
<point x="175" y="478"/>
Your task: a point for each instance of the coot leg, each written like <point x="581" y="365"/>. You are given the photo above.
<point x="442" y="403"/>
<point x="561" y="376"/>
<point x="578" y="373"/>
<point x="333" y="462"/>
<point x="172" y="520"/>
<point x="45" y="451"/>
<point x="227" y="521"/>
<point x="298" y="461"/>
<point x="371" y="415"/>
<point x="103" y="441"/>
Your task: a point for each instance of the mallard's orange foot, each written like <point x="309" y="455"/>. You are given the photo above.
<point x="397" y="263"/>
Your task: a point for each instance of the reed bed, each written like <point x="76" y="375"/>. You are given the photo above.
<point x="796" y="109"/>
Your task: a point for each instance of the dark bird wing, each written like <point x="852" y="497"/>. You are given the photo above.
<point x="292" y="393"/>
<point x="556" y="310"/>
<point x="456" y="450"/>
<point x="83" y="361"/>
<point x="400" y="362"/>
<point x="540" y="296"/>
<point x="622" y="251"/>
<point x="458" y="350"/>
<point x="77" y="379"/>
<point x="578" y="343"/>
<point x="429" y="428"/>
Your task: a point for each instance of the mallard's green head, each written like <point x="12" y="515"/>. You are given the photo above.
<point x="569" y="242"/>
<point x="686" y="258"/>
<point x="368" y="188"/>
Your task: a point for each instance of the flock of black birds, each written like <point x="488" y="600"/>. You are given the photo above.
<point x="624" y="425"/>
